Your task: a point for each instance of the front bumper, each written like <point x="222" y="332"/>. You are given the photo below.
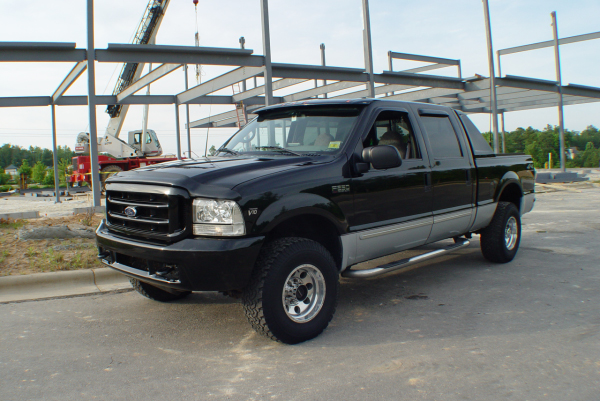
<point x="193" y="264"/>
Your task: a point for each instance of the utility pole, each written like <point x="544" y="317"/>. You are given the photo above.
<point x="561" y="125"/>
<point x="488" y="32"/>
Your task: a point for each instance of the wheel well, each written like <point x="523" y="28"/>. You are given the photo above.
<point x="511" y="193"/>
<point x="313" y="227"/>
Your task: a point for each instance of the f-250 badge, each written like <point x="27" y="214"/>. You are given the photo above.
<point x="338" y="189"/>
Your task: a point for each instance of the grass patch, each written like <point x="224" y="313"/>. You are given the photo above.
<point x="36" y="256"/>
<point x="10" y="223"/>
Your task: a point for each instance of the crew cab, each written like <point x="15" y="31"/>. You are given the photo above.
<point x="303" y="194"/>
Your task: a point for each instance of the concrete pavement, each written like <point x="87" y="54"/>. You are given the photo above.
<point x="526" y="330"/>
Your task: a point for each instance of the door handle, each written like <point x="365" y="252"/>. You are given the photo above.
<point x="438" y="163"/>
<point x="427" y="182"/>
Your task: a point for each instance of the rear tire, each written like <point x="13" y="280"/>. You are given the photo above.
<point x="157" y="294"/>
<point x="293" y="291"/>
<point x="107" y="172"/>
<point x="500" y="240"/>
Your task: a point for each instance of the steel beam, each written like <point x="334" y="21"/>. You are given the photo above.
<point x="220" y="82"/>
<point x="126" y="53"/>
<point x="303" y="71"/>
<point x="426" y="59"/>
<point x="146" y="80"/>
<point x="260" y="90"/>
<point x="320" y="90"/>
<point x="549" y="43"/>
<point x="424" y="94"/>
<point x="228" y="115"/>
<point x="69" y="80"/>
<point x="223" y="123"/>
<point x="433" y="81"/>
<point x="378" y="91"/>
<point x="26" y="101"/>
<point x="40" y="52"/>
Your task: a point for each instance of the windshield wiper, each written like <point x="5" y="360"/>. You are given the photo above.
<point x="225" y="150"/>
<point x="278" y="149"/>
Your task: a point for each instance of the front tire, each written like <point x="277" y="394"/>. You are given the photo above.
<point x="157" y="294"/>
<point x="500" y="240"/>
<point x="293" y="292"/>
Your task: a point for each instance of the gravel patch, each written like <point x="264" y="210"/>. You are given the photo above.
<point x="46" y="206"/>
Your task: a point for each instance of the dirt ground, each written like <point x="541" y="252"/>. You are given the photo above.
<point x="37" y="256"/>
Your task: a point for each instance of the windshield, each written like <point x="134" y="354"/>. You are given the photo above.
<point x="296" y="131"/>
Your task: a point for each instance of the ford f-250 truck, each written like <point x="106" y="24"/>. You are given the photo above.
<point x="301" y="195"/>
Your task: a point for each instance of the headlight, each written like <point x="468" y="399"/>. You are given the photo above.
<point x="217" y="218"/>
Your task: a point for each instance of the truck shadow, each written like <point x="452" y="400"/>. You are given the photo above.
<point x="435" y="299"/>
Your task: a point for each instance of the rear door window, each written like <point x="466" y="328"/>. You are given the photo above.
<point x="442" y="137"/>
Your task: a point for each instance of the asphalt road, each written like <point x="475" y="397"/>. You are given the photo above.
<point x="527" y="330"/>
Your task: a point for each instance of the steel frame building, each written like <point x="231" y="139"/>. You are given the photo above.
<point x="471" y="95"/>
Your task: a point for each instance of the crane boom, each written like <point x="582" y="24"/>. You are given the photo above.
<point x="130" y="72"/>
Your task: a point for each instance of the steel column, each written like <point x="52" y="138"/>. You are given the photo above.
<point x="322" y="47"/>
<point x="91" y="56"/>
<point x="187" y="114"/>
<point x="242" y="46"/>
<point x="266" y="37"/>
<point x="561" y="125"/>
<point x="368" y="49"/>
<point x="55" y="154"/>
<point x="488" y="33"/>
<point x="177" y="133"/>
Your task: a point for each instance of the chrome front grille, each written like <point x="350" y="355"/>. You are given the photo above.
<point x="149" y="212"/>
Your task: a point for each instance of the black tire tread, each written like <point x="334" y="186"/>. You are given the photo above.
<point x="253" y="293"/>
<point x="493" y="235"/>
<point x="156" y="294"/>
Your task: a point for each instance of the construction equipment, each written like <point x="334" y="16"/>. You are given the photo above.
<point x="116" y="154"/>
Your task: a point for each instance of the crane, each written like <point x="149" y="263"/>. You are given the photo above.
<point x="142" y="142"/>
<point x="116" y="154"/>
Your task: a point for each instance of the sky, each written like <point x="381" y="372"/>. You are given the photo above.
<point x="440" y="28"/>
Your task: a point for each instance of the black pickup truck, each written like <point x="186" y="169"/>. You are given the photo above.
<point x="304" y="193"/>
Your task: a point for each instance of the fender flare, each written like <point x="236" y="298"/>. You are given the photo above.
<point x="291" y="206"/>
<point x="509" y="178"/>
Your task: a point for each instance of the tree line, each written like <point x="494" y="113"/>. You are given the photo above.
<point x="583" y="148"/>
<point x="15" y="155"/>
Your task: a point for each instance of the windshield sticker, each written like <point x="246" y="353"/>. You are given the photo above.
<point x="334" y="145"/>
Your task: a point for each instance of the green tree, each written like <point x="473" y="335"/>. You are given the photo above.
<point x="38" y="173"/>
<point x="49" y="179"/>
<point x="212" y="150"/>
<point x="64" y="168"/>
<point x="25" y="168"/>
<point x="4" y="178"/>
<point x="590" y="156"/>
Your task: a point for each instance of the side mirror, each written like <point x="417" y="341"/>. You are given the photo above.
<point x="382" y="157"/>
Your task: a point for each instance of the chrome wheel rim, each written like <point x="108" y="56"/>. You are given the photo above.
<point x="511" y="233"/>
<point x="303" y="293"/>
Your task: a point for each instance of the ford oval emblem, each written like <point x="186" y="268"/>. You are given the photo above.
<point x="130" y="211"/>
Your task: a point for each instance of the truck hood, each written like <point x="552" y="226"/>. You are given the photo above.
<point x="214" y="176"/>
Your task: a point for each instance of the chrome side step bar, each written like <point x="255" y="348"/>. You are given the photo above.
<point x="389" y="267"/>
